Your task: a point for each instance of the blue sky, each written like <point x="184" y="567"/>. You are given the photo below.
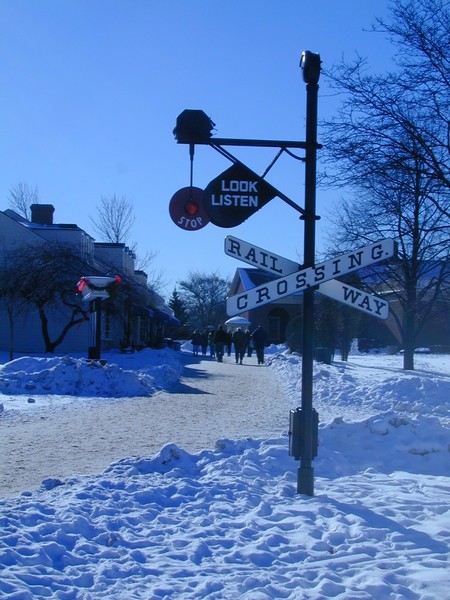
<point x="90" y="92"/>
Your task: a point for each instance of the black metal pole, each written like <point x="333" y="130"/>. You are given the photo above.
<point x="305" y="482"/>
<point x="94" y="350"/>
<point x="98" y="331"/>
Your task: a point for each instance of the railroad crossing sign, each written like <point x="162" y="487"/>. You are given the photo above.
<point x="258" y="257"/>
<point x="351" y="296"/>
<point x="320" y="276"/>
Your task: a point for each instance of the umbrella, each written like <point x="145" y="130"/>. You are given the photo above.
<point x="238" y="321"/>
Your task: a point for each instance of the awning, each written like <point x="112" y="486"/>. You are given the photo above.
<point x="141" y="311"/>
<point x="164" y="317"/>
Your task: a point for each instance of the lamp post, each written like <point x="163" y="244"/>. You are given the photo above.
<point x="310" y="64"/>
<point x="92" y="289"/>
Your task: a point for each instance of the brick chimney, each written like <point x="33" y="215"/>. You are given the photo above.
<point x="42" y="214"/>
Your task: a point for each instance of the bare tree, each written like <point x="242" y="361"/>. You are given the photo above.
<point x="389" y="144"/>
<point x="10" y="296"/>
<point x="21" y="197"/>
<point x="396" y="203"/>
<point x="113" y="223"/>
<point x="409" y="103"/>
<point x="115" y="219"/>
<point x="145" y="262"/>
<point x="204" y="298"/>
<point x="46" y="276"/>
<point x="420" y="30"/>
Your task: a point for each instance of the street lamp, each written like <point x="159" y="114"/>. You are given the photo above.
<point x="310" y="64"/>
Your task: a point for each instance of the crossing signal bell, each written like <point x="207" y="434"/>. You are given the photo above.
<point x="193" y="127"/>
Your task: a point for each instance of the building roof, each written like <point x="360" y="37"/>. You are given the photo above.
<point x="252" y="277"/>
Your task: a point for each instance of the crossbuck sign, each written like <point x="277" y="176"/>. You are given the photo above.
<point x="321" y="276"/>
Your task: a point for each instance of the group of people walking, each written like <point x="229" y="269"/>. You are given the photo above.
<point x="200" y="342"/>
<point x="221" y="342"/>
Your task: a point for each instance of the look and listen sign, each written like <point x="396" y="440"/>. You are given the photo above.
<point x="235" y="195"/>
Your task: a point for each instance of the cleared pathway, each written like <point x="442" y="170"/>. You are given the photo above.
<point x="211" y="401"/>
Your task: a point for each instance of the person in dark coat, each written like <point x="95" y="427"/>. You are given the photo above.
<point x="259" y="337"/>
<point x="248" y="338"/>
<point x="212" y="345"/>
<point x="240" y="343"/>
<point x="196" y="342"/>
<point x="229" y="342"/>
<point x="204" y="342"/>
<point x="220" y="339"/>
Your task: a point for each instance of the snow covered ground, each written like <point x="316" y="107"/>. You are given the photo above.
<point x="227" y="523"/>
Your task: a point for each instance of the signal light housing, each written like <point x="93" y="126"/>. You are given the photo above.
<point x="191" y="208"/>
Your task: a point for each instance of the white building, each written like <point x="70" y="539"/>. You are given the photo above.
<point x="124" y="322"/>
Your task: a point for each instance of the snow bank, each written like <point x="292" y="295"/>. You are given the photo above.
<point x="149" y="371"/>
<point x="228" y="523"/>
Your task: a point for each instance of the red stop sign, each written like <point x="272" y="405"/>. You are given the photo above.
<point x="187" y="210"/>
